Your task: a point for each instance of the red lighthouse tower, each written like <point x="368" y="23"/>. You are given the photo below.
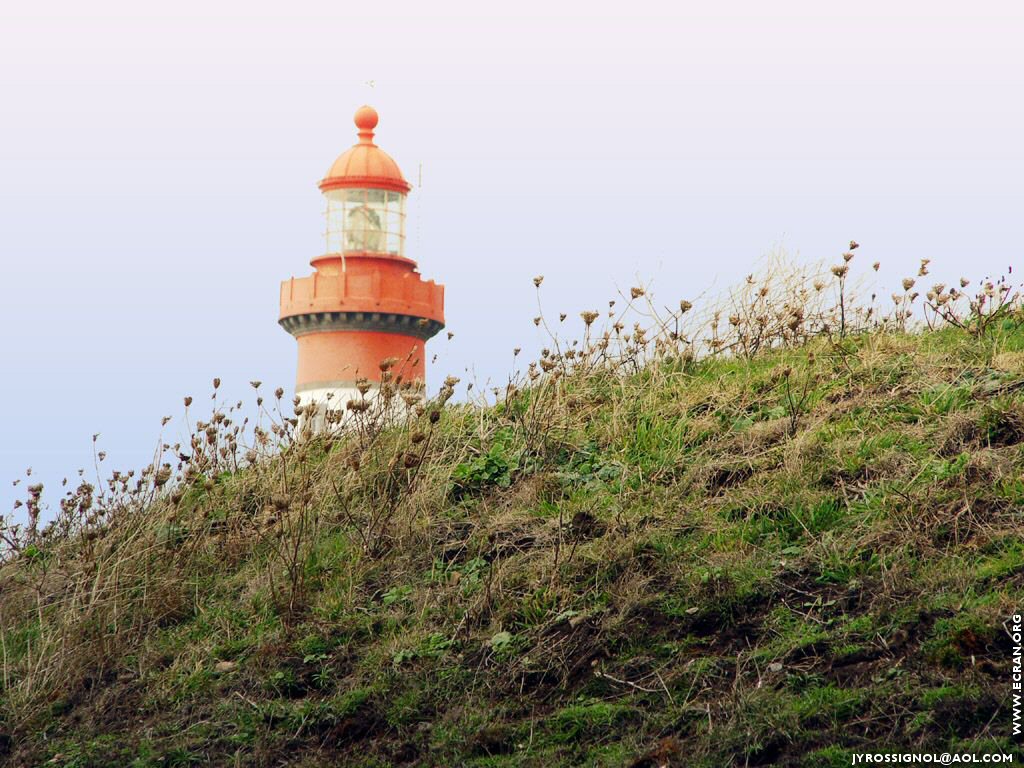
<point x="365" y="302"/>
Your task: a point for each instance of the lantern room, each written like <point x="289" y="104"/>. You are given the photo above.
<point x="365" y="220"/>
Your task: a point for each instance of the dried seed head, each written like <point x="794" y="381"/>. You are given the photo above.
<point x="840" y="270"/>
<point x="188" y="401"/>
<point x="538" y="280"/>
<point x="216" y="383"/>
<point x="636" y="293"/>
<point x="876" y="265"/>
<point x="450" y="335"/>
<point x="685" y="306"/>
<point x="279" y="393"/>
<point x="854" y="245"/>
<point x="162" y="476"/>
<point x="588" y="317"/>
<point x="847" y="257"/>
<point x="255" y="384"/>
<point x="536" y="321"/>
<point x="908" y="283"/>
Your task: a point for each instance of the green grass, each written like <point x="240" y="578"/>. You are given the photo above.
<point x="667" y="565"/>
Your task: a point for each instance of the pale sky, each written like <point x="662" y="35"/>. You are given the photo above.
<point x="158" y="169"/>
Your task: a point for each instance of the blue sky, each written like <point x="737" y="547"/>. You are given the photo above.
<point x="158" y="171"/>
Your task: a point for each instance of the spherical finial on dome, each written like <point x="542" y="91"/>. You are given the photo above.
<point x="366" y="120"/>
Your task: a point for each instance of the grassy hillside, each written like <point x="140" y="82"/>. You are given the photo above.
<point x="762" y="551"/>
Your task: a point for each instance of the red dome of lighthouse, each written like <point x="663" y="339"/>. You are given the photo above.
<point x="365" y="164"/>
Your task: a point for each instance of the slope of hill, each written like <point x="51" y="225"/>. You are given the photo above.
<point x="775" y="558"/>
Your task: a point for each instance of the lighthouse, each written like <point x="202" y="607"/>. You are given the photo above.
<point x="364" y="315"/>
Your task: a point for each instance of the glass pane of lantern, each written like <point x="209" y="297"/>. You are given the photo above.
<point x="364" y="229"/>
<point x="394" y="227"/>
<point x="335" y="215"/>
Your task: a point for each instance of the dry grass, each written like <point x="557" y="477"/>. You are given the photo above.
<point x="649" y="519"/>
